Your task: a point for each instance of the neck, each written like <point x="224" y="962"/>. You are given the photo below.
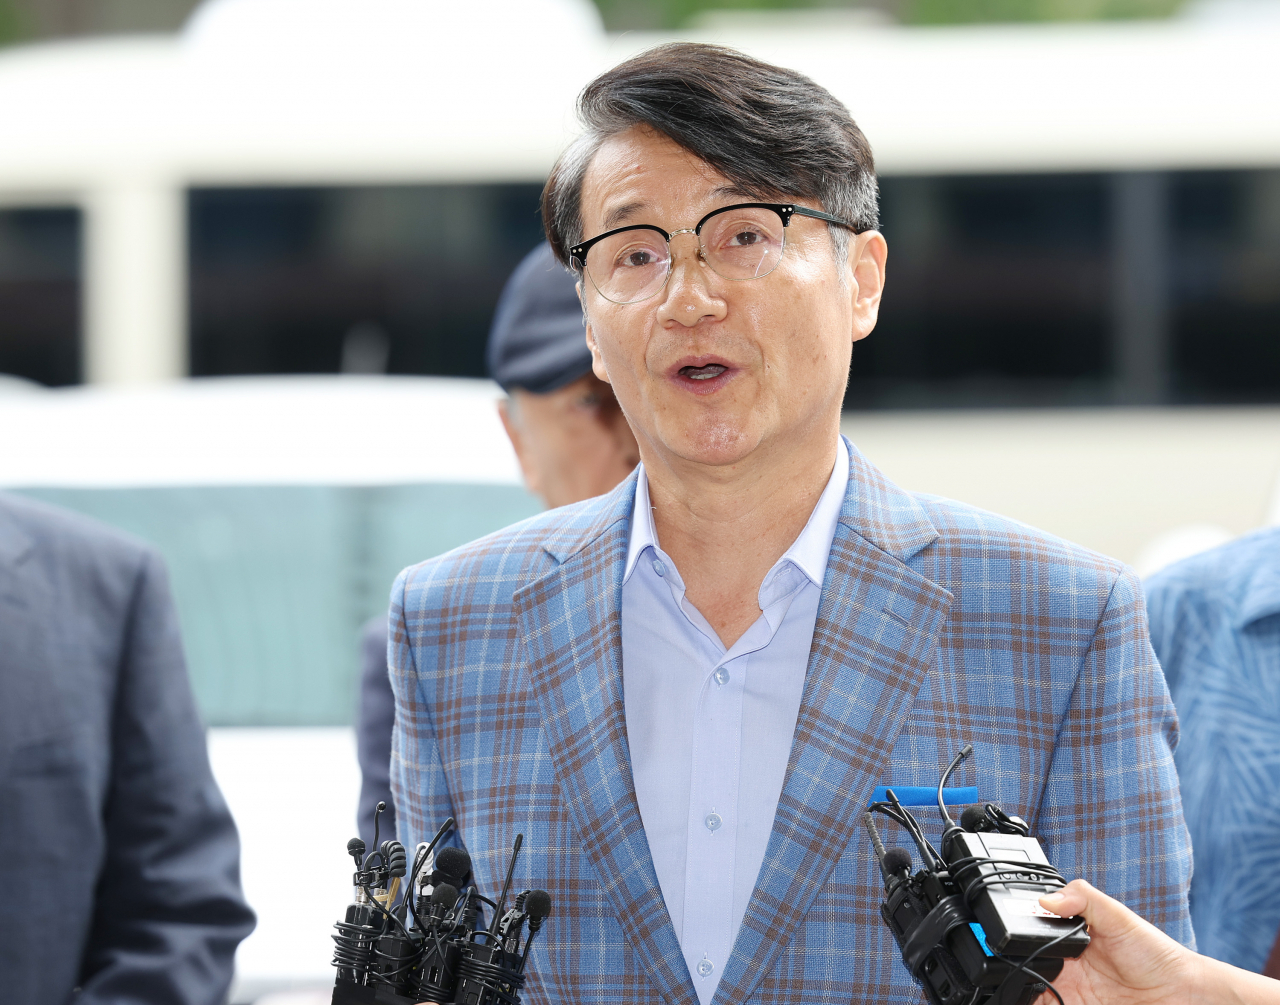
<point x="725" y="526"/>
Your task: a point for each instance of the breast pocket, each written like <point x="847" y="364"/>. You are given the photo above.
<point x="50" y="756"/>
<point x="51" y="800"/>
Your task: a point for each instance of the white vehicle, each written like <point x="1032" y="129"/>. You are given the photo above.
<point x="367" y="94"/>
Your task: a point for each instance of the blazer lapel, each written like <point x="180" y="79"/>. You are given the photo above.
<point x="570" y="622"/>
<point x="16" y="546"/>
<point x="15" y="543"/>
<point x="877" y="627"/>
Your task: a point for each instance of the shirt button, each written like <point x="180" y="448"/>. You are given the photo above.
<point x="713" y="821"/>
<point x="705" y="967"/>
<point x="722" y="675"/>
<point x="658" y="567"/>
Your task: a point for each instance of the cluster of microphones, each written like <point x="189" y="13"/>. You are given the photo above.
<point x="431" y="943"/>
<point x="969" y="923"/>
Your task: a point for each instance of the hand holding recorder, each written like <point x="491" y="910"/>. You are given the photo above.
<point x="1131" y="962"/>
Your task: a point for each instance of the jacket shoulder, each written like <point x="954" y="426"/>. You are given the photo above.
<point x="65" y="538"/>
<point x="979" y="553"/>
<point x="961" y="525"/>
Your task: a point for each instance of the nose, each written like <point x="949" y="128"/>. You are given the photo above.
<point x="689" y="296"/>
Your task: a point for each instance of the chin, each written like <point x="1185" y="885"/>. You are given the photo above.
<point x="716" y="441"/>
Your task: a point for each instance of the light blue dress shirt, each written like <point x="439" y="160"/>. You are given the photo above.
<point x="710" y="729"/>
<point x="1215" y="624"/>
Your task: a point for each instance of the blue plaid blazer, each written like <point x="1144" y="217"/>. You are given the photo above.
<point x="938" y="624"/>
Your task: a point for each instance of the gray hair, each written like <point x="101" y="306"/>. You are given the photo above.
<point x="770" y="130"/>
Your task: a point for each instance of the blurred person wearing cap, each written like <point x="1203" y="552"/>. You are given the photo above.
<point x="1215" y="625"/>
<point x="684" y="693"/>
<point x="564" y="422"/>
<point x="572" y="443"/>
<point x="119" y="861"/>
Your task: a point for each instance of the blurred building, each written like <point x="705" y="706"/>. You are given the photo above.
<point x="1078" y="215"/>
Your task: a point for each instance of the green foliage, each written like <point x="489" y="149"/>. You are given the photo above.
<point x="621" y="15"/>
<point x="625" y="14"/>
<point x="974" y="11"/>
<point x="12" y="26"/>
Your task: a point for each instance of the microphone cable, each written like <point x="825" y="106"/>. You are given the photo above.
<point x="1031" y="973"/>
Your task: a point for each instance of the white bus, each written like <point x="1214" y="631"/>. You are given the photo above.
<point x="288" y="176"/>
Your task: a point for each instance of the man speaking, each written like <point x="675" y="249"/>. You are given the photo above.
<point x="683" y="693"/>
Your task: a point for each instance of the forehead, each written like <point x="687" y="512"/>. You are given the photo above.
<point x="642" y="170"/>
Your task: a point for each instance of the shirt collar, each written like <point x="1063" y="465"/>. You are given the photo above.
<point x="809" y="552"/>
<point x="1262" y="594"/>
<point x="643" y="533"/>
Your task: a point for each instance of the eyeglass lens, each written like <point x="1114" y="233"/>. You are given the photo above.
<point x="739" y="244"/>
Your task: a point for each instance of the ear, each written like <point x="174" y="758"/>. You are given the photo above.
<point x="868" y="253"/>
<point x="520" y="446"/>
<point x="597" y="360"/>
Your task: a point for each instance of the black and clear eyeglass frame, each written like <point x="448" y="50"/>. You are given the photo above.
<point x="578" y="253"/>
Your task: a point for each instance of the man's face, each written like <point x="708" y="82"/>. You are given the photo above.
<point x="573" y="443"/>
<point x="710" y="370"/>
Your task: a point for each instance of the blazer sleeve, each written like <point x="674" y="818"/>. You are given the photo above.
<point x="373" y="733"/>
<point x="1113" y="767"/>
<point x="168" y="911"/>
<point x="418" y="782"/>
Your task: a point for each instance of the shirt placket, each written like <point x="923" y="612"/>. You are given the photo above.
<point x="712" y="825"/>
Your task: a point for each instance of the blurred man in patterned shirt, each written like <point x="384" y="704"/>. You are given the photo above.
<point x="1215" y="624"/>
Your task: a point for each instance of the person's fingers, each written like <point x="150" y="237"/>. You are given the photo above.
<point x="1071" y="901"/>
<point x="1104" y="914"/>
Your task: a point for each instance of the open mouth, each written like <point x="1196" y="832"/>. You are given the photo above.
<point x="702" y="372"/>
<point x="703" y="375"/>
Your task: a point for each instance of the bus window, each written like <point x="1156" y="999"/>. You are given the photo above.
<point x="40" y="294"/>
<point x="997" y="294"/>
<point x="397" y="279"/>
<point x="1004" y="290"/>
<point x="1226" y="286"/>
<point x="1077" y="289"/>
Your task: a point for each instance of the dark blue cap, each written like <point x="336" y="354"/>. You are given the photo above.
<point x="537" y="341"/>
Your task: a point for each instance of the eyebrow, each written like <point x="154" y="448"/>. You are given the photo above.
<point x="737" y="191"/>
<point x="615" y="216"/>
<point x="618" y="215"/>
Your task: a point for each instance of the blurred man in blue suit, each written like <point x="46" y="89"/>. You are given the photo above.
<point x="684" y="693"/>
<point x="119" y="861"/>
<point x="1215" y="624"/>
<point x="569" y="435"/>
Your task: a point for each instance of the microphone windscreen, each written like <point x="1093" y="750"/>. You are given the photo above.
<point x="895" y="860"/>
<point x="538" y="904"/>
<point x="453" y="863"/>
<point x="394" y="857"/>
<point x="445" y="895"/>
<point x="973" y="818"/>
<point x="355" y="847"/>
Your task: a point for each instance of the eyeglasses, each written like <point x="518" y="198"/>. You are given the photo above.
<point x="739" y="242"/>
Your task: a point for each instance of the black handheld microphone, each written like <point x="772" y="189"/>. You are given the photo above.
<point x="445" y="956"/>
<point x="490" y="974"/>
<point x="443" y="897"/>
<point x="969" y="922"/>
<point x="538" y="906"/>
<point x="437" y="970"/>
<point x="453" y="866"/>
